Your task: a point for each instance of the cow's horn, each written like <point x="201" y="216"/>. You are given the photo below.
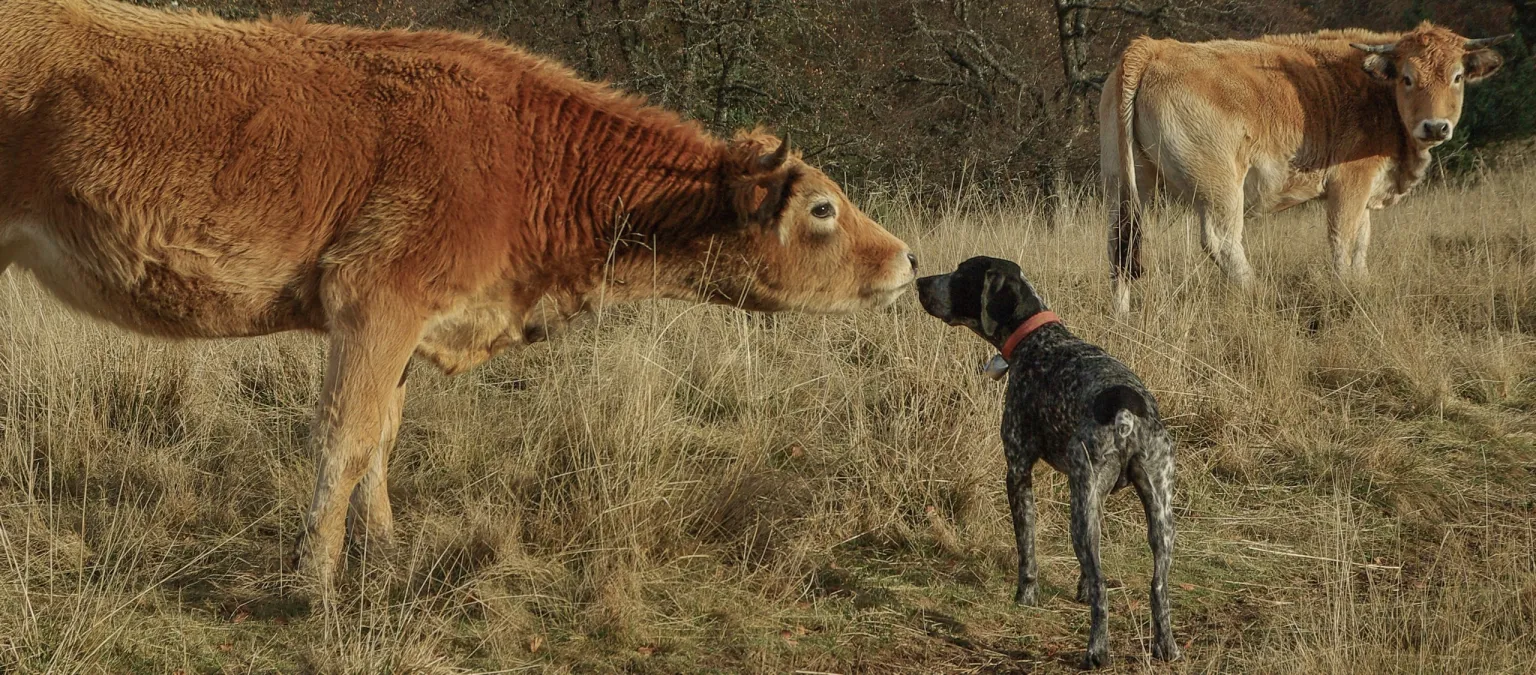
<point x="1374" y="49"/>
<point x="1487" y="42"/>
<point x="776" y="159"/>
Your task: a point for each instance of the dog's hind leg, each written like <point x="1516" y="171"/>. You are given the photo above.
<point x="1021" y="504"/>
<point x="1088" y="492"/>
<point x="1152" y="473"/>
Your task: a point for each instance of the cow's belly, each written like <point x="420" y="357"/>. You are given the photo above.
<point x="1277" y="186"/>
<point x="163" y="290"/>
<point x="478" y="326"/>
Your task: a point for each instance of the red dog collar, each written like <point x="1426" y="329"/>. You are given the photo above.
<point x="1033" y="324"/>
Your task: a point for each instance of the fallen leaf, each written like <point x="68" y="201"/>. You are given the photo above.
<point x="226" y="647"/>
<point x="281" y="621"/>
<point x="535" y="644"/>
<point x="646" y="651"/>
<point x="1187" y="587"/>
<point x="796" y="451"/>
<point x="801" y="630"/>
<point x="240" y="616"/>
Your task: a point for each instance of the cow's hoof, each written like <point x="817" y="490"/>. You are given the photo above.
<point x="1095" y="659"/>
<point x="315" y="571"/>
<point x="370" y="545"/>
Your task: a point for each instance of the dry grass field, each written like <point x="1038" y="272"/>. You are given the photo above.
<point x="675" y="489"/>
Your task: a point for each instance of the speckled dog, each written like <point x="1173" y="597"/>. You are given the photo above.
<point x="1084" y="413"/>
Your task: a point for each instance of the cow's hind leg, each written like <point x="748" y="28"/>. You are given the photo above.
<point x="1221" y="231"/>
<point x="1152" y="474"/>
<point x="370" y="523"/>
<point x="369" y="350"/>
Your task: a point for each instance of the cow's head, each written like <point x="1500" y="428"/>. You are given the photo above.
<point x="799" y="243"/>
<point x="1430" y="68"/>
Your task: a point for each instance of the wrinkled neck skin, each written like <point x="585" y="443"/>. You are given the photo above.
<point x="1412" y="163"/>
<point x="668" y="233"/>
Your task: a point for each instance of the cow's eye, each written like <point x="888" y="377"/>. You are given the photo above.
<point x="1456" y="79"/>
<point x="823" y="210"/>
<point x="1407" y="81"/>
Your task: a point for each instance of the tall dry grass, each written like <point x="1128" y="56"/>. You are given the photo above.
<point x="673" y="488"/>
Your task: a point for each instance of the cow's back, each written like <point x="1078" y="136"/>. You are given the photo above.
<point x="1287" y="107"/>
<point x="182" y="175"/>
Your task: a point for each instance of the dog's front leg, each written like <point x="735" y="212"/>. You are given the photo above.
<point x="1021" y="503"/>
<point x="1086" y="503"/>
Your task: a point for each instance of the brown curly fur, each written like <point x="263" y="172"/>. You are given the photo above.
<point x="404" y="192"/>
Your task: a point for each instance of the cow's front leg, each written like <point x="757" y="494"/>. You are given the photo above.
<point x="367" y="354"/>
<point x="370" y="524"/>
<point x="1348" y="222"/>
<point x="1362" y="242"/>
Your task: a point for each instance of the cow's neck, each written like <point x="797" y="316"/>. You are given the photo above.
<point x="1412" y="162"/>
<point x="1409" y="161"/>
<point x="648" y="221"/>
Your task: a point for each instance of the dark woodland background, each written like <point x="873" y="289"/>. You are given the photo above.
<point x="945" y="94"/>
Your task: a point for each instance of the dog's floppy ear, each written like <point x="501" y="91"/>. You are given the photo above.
<point x="1001" y="294"/>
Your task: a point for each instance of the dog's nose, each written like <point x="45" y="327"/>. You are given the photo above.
<point x="912" y="258"/>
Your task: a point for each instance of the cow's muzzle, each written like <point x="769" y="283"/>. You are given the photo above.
<point x="1434" y="131"/>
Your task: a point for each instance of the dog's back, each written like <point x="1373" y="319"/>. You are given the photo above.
<point x="1061" y="387"/>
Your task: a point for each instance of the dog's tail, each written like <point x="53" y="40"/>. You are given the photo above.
<point x="1119" y="406"/>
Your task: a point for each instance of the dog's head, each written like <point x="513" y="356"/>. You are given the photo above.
<point x="986" y="295"/>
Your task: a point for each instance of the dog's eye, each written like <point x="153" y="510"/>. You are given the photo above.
<point x="823" y="210"/>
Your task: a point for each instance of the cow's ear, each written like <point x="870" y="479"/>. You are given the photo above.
<point x="1380" y="66"/>
<point x="760" y="199"/>
<point x="1481" y="63"/>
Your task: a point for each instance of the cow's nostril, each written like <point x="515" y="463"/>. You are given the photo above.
<point x="912" y="258"/>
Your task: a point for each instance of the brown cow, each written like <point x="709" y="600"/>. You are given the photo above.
<point x="403" y="192"/>
<point x="1261" y="126"/>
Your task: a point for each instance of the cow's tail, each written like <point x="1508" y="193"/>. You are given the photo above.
<point x="1117" y="164"/>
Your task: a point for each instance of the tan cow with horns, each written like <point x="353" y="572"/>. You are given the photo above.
<point x="403" y="192"/>
<point x="1263" y="125"/>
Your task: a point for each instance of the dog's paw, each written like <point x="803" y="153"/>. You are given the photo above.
<point x="1025" y="596"/>
<point x="1165" y="652"/>
<point x="1094" y="659"/>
